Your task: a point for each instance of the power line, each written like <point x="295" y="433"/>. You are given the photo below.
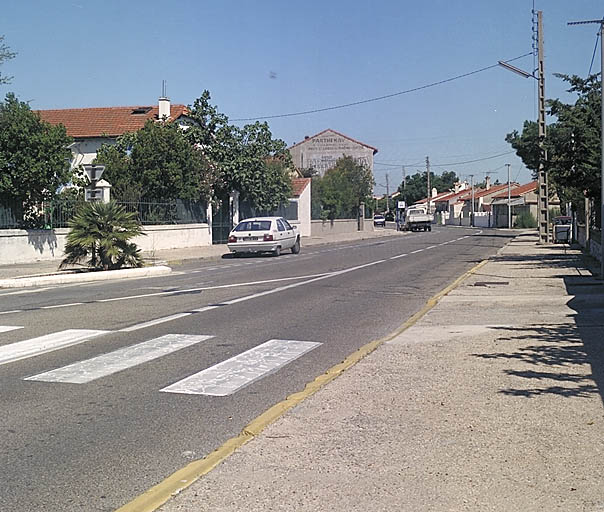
<point x="379" y="98"/>
<point x="473" y="161"/>
<point x="449" y="164"/>
<point x="594" y="53"/>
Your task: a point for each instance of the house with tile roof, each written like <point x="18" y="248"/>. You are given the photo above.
<point x="320" y="152"/>
<point x="93" y="127"/>
<point x="523" y="198"/>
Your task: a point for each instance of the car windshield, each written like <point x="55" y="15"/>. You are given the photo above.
<point x="254" y="225"/>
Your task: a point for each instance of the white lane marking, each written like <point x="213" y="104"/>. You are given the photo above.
<point x="229" y="376"/>
<point x="415" y="252"/>
<point x="150" y="323"/>
<point x="245" y="298"/>
<point x="206" y="308"/>
<point x="7" y="328"/>
<point x="206" y="288"/>
<point x="12" y="311"/>
<point x="119" y="360"/>
<point x="430" y="247"/>
<point x="399" y="256"/>
<point x="46" y="343"/>
<point x="62" y="305"/>
<point x="295" y="285"/>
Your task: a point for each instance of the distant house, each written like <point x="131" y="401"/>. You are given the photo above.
<point x="483" y="197"/>
<point x="301" y="195"/>
<point x="523" y="199"/>
<point x="93" y="127"/>
<point x="320" y="152"/>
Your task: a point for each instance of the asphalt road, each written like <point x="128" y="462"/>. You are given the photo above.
<point x="97" y="444"/>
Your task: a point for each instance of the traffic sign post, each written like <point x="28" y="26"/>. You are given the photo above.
<point x="94" y="173"/>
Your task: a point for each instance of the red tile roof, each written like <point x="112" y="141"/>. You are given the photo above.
<point x="494" y="188"/>
<point x="443" y="196"/>
<point x="109" y="121"/>
<point x="299" y="184"/>
<point x="337" y="133"/>
<point x="518" y="191"/>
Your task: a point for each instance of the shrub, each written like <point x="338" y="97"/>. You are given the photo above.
<point x="100" y="232"/>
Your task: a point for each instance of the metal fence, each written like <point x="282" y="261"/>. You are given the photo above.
<point x="170" y="212"/>
<point x="57" y="213"/>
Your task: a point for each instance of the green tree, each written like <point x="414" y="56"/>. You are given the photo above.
<point x="34" y="156"/>
<point x="100" y="233"/>
<point x="5" y="54"/>
<point x="417" y="185"/>
<point x="157" y="162"/>
<point x="572" y="142"/>
<point x="246" y="159"/>
<point x="343" y="188"/>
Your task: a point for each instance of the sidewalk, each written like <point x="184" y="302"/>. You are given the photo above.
<point x="490" y="401"/>
<point x="29" y="273"/>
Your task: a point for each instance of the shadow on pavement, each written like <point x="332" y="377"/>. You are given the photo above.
<point x="566" y="358"/>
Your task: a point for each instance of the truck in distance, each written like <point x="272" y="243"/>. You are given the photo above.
<point x="417" y="219"/>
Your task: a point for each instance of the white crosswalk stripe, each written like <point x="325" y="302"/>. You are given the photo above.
<point x="229" y="376"/>
<point x="7" y="328"/>
<point x="46" y="343"/>
<point x="118" y="360"/>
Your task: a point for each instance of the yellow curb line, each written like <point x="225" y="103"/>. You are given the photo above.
<point x="159" y="494"/>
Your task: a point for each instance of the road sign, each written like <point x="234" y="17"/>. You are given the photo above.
<point x="93" y="194"/>
<point x="94" y="172"/>
<point x="401" y="205"/>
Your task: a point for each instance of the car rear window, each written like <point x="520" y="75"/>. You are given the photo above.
<point x="254" y="225"/>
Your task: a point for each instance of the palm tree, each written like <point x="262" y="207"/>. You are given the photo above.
<point x="100" y="232"/>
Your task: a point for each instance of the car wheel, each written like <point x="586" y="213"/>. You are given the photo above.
<point x="429" y="228"/>
<point x="296" y="247"/>
<point x="277" y="251"/>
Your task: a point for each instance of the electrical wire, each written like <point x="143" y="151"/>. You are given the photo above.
<point x="472" y="161"/>
<point x="594" y="53"/>
<point x="379" y="98"/>
<point x="449" y="164"/>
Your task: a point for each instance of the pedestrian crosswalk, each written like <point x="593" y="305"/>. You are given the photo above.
<point x="122" y="359"/>
<point x="242" y="370"/>
<point x="222" y="379"/>
<point x="43" y="344"/>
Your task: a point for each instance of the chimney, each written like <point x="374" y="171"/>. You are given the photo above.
<point x="487" y="182"/>
<point x="164" y="108"/>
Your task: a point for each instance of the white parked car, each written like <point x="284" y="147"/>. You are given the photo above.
<point x="264" y="234"/>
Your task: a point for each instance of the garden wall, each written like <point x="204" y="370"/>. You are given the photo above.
<point x="31" y="245"/>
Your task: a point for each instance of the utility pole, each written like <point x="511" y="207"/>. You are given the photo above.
<point x="509" y="198"/>
<point x="472" y="210"/>
<point x="542" y="189"/>
<point x="601" y="22"/>
<point x="405" y="186"/>
<point x="387" y="194"/>
<point x="429" y="191"/>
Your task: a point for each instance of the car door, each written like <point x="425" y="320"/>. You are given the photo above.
<point x="289" y="237"/>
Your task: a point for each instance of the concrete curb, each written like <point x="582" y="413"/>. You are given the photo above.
<point x="23" y="282"/>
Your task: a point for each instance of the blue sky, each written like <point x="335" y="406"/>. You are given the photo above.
<point x="262" y="58"/>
